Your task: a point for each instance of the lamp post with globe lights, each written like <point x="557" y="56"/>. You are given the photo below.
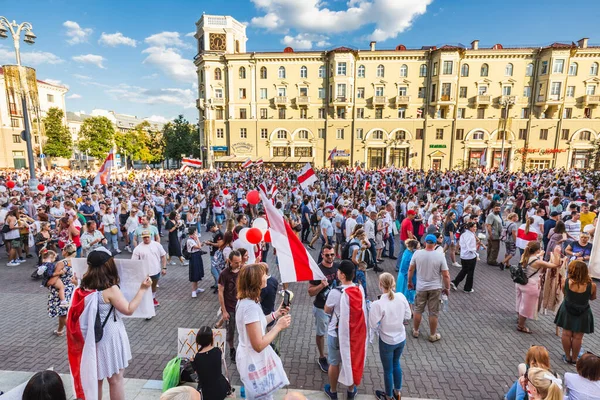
<point x="15" y="31"/>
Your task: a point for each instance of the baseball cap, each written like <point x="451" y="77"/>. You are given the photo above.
<point x="430" y="239"/>
<point x="146" y="233"/>
<point x="554" y="214"/>
<point x="355" y="213"/>
<point x="411" y="212"/>
<point x="98" y="257"/>
<point x="209" y="226"/>
<point x="328" y="210"/>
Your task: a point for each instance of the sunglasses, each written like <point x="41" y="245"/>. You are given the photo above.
<point x="329" y="255"/>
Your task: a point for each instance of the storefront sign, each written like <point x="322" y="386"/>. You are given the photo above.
<point x="340" y="153"/>
<point x="242" y="147"/>
<point x="540" y="151"/>
<point x="218" y="148"/>
<point x="437" y="146"/>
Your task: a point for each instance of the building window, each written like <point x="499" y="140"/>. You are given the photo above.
<point x="587" y="112"/>
<point x="565" y="134"/>
<point x="321" y="113"/>
<point x="402" y="91"/>
<point x="321" y="133"/>
<point x="242" y="93"/>
<point x="555" y="89"/>
<point x="522" y="134"/>
<point x="219" y="93"/>
<point x="341" y="90"/>
<point x="447" y="68"/>
<point x="462" y="92"/>
<point x="263" y="93"/>
<point x="303" y="72"/>
<point x="360" y="113"/>
<point x="482" y="89"/>
<point x="539" y="164"/>
<point x="558" y="67"/>
<point x="404" y="70"/>
<point x="282" y="92"/>
<point x="506" y="90"/>
<point x="544" y="68"/>
<point x="380" y="71"/>
<point x="543" y="134"/>
<point x="242" y="73"/>
<point x="50" y="98"/>
<point x="461" y="113"/>
<point x="423" y="70"/>
<point x="464" y="70"/>
<point x="460" y="134"/>
<point x="303" y="113"/>
<point x="321" y="93"/>
<point x="419" y="134"/>
<point x="478" y="135"/>
<point x="485" y="69"/>
<point x="359" y="133"/>
<point x="303" y="134"/>
<point x="341" y="112"/>
<point x="263" y="73"/>
<point x="402" y="113"/>
<point x="281" y="113"/>
<point x="264" y="133"/>
<point x="322" y="71"/>
<point x="594" y="69"/>
<point x="570" y="91"/>
<point x="15" y="123"/>
<point x="435" y="69"/>
<point x="281" y="134"/>
<point x="341" y="68"/>
<point x="441" y="113"/>
<point x="303" y="152"/>
<point x="585" y="136"/>
<point x="573" y="69"/>
<point x="529" y="70"/>
<point x="360" y="93"/>
<point x="280" y="151"/>
<point x="590" y="90"/>
<point x="527" y="91"/>
<point x="420" y="112"/>
<point x="446" y="89"/>
<point x="524" y="113"/>
<point x="16" y="138"/>
<point x="378" y="135"/>
<point x="480" y="113"/>
<point x="243" y="133"/>
<point x="243" y="113"/>
<point x="339" y="133"/>
<point x="508" y="70"/>
<point x="421" y="93"/>
<point x="567" y="113"/>
<point x="281" y="73"/>
<point x="361" y="71"/>
<point x="379" y="91"/>
<point x="219" y="113"/>
<point x="379" y="113"/>
<point x="218" y="74"/>
<point x="263" y="113"/>
<point x="439" y="134"/>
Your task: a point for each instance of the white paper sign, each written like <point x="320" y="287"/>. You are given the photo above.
<point x="131" y="273"/>
<point x="186" y="341"/>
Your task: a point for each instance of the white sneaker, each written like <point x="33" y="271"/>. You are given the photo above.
<point x="20" y="260"/>
<point x="194" y="295"/>
<point x="12" y="264"/>
<point x="457" y="265"/>
<point x="199" y="290"/>
<point x="118" y="251"/>
<point x="185" y="263"/>
<point x="173" y="263"/>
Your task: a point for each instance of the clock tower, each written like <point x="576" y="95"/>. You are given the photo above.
<point x="220" y="34"/>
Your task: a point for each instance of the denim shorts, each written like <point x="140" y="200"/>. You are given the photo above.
<point x="333" y="350"/>
<point x="321" y="321"/>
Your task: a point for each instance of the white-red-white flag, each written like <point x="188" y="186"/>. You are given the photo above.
<point x="295" y="263"/>
<point x="307" y="176"/>
<point x="274" y="191"/>
<point x="366" y="186"/>
<point x="217" y="178"/>
<point x="352" y="334"/>
<point x="260" y="161"/>
<point x="103" y="176"/>
<point x="263" y="189"/>
<point x="191" y="162"/>
<point x="247" y="163"/>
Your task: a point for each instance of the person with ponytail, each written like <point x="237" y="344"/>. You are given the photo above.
<point x="542" y="385"/>
<point x="388" y="315"/>
<point x="532" y="261"/>
<point x="207" y="364"/>
<point x="525" y="235"/>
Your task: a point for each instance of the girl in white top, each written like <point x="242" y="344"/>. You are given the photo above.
<point x="388" y="314"/>
<point x="585" y="384"/>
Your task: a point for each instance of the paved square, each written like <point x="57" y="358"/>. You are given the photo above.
<point x="476" y="359"/>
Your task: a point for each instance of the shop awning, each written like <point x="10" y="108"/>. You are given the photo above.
<point x="306" y="160"/>
<point x="277" y="160"/>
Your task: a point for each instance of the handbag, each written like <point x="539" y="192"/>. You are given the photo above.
<point x="114" y="230"/>
<point x="517" y="274"/>
<point x="261" y="373"/>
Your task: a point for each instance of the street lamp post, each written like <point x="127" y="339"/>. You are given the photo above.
<point x="15" y="30"/>
<point x="505" y="103"/>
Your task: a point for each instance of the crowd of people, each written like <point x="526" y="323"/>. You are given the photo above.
<point x="425" y="221"/>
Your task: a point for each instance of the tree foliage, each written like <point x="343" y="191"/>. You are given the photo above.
<point x="96" y="137"/>
<point x="141" y="144"/>
<point x="180" y="138"/>
<point x="58" y="138"/>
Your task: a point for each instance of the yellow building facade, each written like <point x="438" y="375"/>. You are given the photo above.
<point x="431" y="108"/>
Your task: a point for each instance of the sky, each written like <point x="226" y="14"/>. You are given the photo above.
<point x="135" y="57"/>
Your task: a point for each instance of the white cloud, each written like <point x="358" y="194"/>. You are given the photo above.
<point x="166" y="39"/>
<point x="74" y="96"/>
<point x="389" y="17"/>
<point x="90" y="59"/>
<point x="82" y="77"/>
<point x="116" y="39"/>
<point x="305" y="41"/>
<point x="190" y="34"/>
<point x="171" y="63"/>
<point x="76" y="33"/>
<point x="135" y="94"/>
<point x="7" y="56"/>
<point x="157" y="118"/>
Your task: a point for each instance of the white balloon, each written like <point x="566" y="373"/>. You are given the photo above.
<point x="261" y="224"/>
<point x="228" y="196"/>
<point x="242" y="235"/>
<point x="2" y="189"/>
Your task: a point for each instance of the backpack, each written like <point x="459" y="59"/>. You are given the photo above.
<point x="506" y="233"/>
<point x="517" y="273"/>
<point x="184" y="251"/>
<point x="347" y="249"/>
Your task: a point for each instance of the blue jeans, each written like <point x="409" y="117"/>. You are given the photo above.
<point x="159" y="221"/>
<point x="390" y="242"/>
<point x="392" y="370"/>
<point x="515" y="392"/>
<point x="111" y="240"/>
<point x="215" y="273"/>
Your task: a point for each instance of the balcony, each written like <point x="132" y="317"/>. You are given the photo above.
<point x="402" y="100"/>
<point x="379" y="100"/>
<point x="550" y="100"/>
<point x="591" y="99"/>
<point x="281" y="101"/>
<point x="445" y="98"/>
<point x="340" y="101"/>
<point x="217" y="101"/>
<point x="302" y="100"/>
<point x="508" y="99"/>
<point x="483" y="100"/>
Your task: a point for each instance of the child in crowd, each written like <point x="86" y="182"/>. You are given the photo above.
<point x="361" y="277"/>
<point x="51" y="274"/>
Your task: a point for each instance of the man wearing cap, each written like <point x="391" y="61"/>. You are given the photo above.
<point x="431" y="269"/>
<point x="153" y="253"/>
<point x="350" y="224"/>
<point x="406" y="232"/>
<point x="145" y="226"/>
<point x="468" y="258"/>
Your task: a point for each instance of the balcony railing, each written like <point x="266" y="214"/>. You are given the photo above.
<point x="445" y="97"/>
<point x="402" y="99"/>
<point x="217" y="101"/>
<point x="508" y="99"/>
<point x="339" y="99"/>
<point x="484" y="99"/>
<point x="592" y="99"/>
<point x="303" y="100"/>
<point x="379" y="100"/>
<point x="281" y="100"/>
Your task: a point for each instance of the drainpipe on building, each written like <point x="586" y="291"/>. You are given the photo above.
<point x="226" y="106"/>
<point x="461" y="54"/>
<point x="352" y="129"/>
<point x="328" y="99"/>
<point x="426" y="109"/>
<point x="531" y="104"/>
<point x="561" y="109"/>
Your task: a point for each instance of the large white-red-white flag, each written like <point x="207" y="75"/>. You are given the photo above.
<point x="295" y="264"/>
<point x="524" y="237"/>
<point x="352" y="334"/>
<point x="307" y="176"/>
<point x="103" y="176"/>
<point x="247" y="163"/>
<point x="191" y="162"/>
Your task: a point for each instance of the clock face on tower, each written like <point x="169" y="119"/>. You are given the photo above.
<point x="217" y="41"/>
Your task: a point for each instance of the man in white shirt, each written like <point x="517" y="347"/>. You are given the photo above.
<point x="573" y="226"/>
<point x="153" y="254"/>
<point x="350" y="224"/>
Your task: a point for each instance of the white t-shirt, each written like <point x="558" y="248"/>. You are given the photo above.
<point x="429" y="266"/>
<point x="350" y="224"/>
<point x="390" y="315"/>
<point x="247" y="312"/>
<point x="573" y="228"/>
<point x="535" y="227"/>
<point x="150" y="253"/>
<point x="580" y="388"/>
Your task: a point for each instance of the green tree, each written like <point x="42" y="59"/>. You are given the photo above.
<point x="179" y="139"/>
<point x="58" y="138"/>
<point x="96" y="137"/>
<point x="156" y="147"/>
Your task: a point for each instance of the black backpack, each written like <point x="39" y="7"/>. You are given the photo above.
<point x="347" y="250"/>
<point x="184" y="251"/>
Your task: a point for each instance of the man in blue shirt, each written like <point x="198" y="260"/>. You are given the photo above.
<point x="549" y="224"/>
<point x="87" y="210"/>
<point x="305" y="211"/>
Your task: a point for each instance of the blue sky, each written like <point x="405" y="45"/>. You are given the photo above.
<point x="134" y="57"/>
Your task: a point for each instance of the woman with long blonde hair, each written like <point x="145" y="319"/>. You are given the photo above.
<point x="542" y="385"/>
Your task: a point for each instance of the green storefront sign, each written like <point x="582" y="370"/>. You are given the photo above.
<point x="437" y="146"/>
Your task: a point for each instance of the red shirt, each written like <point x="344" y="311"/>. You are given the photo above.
<point x="405" y="227"/>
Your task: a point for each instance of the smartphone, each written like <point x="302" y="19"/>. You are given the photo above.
<point x="286" y="298"/>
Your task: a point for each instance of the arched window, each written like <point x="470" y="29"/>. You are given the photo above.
<point x="478" y="135"/>
<point x="263" y="73"/>
<point x="378" y="135"/>
<point x="508" y="71"/>
<point x="281" y="134"/>
<point x="573" y="69"/>
<point x="423" y="70"/>
<point x="218" y="74"/>
<point x="585" y="136"/>
<point x="303" y="134"/>
<point x="281" y="72"/>
<point x="361" y="71"/>
<point x="464" y="70"/>
<point x="380" y="71"/>
<point x="400" y="135"/>
<point x="529" y="70"/>
<point x="404" y="70"/>
<point x="242" y="73"/>
<point x="303" y="72"/>
<point x="484" y="70"/>
<point x="594" y="69"/>
<point x="322" y="71"/>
